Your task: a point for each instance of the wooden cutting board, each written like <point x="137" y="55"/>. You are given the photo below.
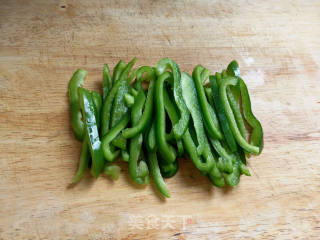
<point x="42" y="43"/>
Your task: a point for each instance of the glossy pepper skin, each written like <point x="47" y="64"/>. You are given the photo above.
<point x="138" y="171"/>
<point x="88" y="112"/>
<point x="108" y="103"/>
<point x="164" y="64"/>
<point x="75" y="82"/>
<point x="212" y="128"/>
<point x="256" y="144"/>
<point x="148" y="108"/>
<point x="85" y="150"/>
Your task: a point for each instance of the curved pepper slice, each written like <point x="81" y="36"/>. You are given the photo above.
<point x="117" y="71"/>
<point x="88" y="112"/>
<point x="83" y="163"/>
<point x="232" y="96"/>
<point x="164" y="64"/>
<point x="228" y="135"/>
<point x="109" y="154"/>
<point x="106" y="81"/>
<point x="212" y="128"/>
<point x="166" y="150"/>
<point x="147" y="113"/>
<point x="138" y="171"/>
<point x="75" y="82"/>
<point x="174" y="118"/>
<point x="154" y="164"/>
<point x="108" y="103"/>
<point x="257" y="135"/>
<point x="207" y="163"/>
<point x="189" y="94"/>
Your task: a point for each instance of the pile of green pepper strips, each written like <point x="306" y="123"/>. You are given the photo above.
<point x="174" y="115"/>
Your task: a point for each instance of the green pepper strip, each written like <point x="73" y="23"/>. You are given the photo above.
<point x="97" y="100"/>
<point x="166" y="150"/>
<point x="75" y="82"/>
<point x="147" y="113"/>
<point x="180" y="127"/>
<point x="106" y="81"/>
<point x="246" y="105"/>
<point x="235" y="107"/>
<point x="112" y="170"/>
<point x="153" y="162"/>
<point x="189" y="145"/>
<point x="85" y="151"/>
<point x="138" y="172"/>
<point x="227" y="159"/>
<point x="174" y="119"/>
<point x="256" y="137"/>
<point x="117" y="71"/>
<point x="108" y="103"/>
<point x="233" y="70"/>
<point x="189" y="94"/>
<point x="83" y="163"/>
<point x="212" y="129"/>
<point x="221" y="114"/>
<point x="88" y="111"/>
<point x="167" y="170"/>
<point x="120" y="108"/>
<point x="109" y="154"/>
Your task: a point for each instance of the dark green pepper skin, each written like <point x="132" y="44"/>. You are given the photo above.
<point x="75" y="82"/>
<point x="88" y="112"/>
<point x="138" y="172"/>
<point x="180" y="127"/>
<point x="212" y="128"/>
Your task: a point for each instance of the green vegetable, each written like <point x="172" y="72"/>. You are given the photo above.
<point x="109" y="153"/>
<point x="257" y="135"/>
<point x="88" y="112"/>
<point x="147" y="113"/>
<point x="166" y="150"/>
<point x="212" y="128"/>
<point x="106" y="81"/>
<point x="164" y="64"/>
<point x="75" y="82"/>
<point x="228" y="135"/>
<point x="138" y="172"/>
<point x="112" y="170"/>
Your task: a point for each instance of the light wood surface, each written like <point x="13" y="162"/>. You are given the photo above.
<point x="42" y="43"/>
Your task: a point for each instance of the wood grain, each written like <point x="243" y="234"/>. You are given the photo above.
<point x="43" y="42"/>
